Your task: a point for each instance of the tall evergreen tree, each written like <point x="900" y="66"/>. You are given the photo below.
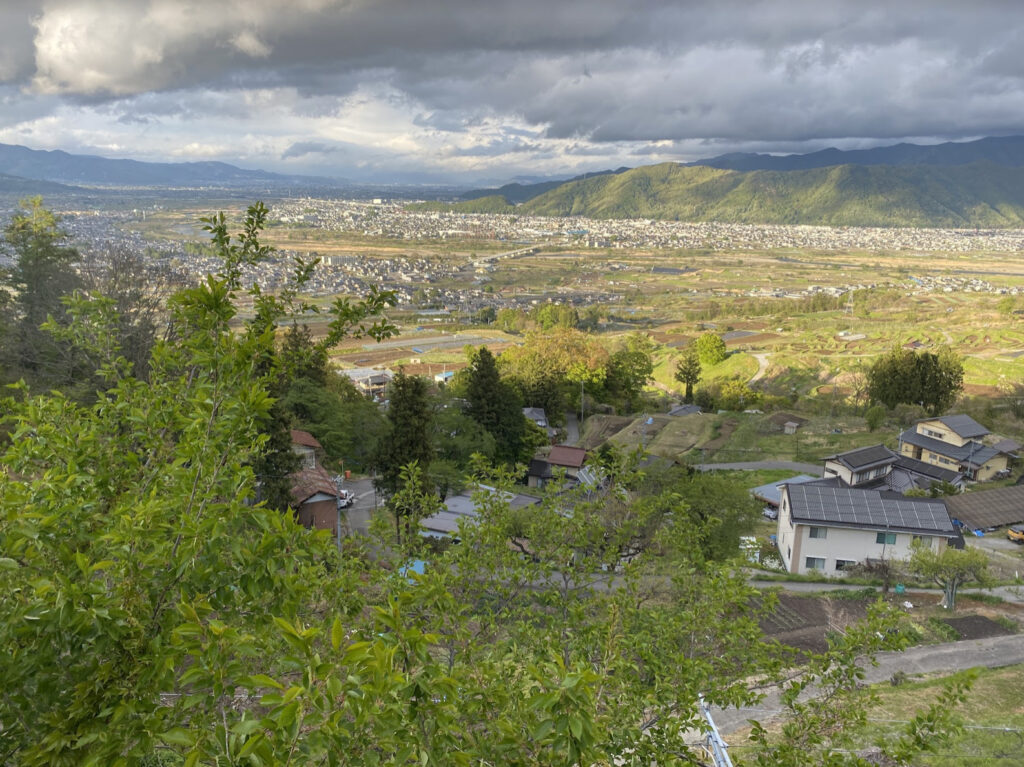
<point x="688" y="372"/>
<point x="408" y="435"/>
<point x="33" y="287"/>
<point x="496" y="406"/>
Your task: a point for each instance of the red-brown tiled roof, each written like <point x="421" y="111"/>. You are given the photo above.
<point x="300" y="437"/>
<point x="308" y="482"/>
<point x="564" y="455"/>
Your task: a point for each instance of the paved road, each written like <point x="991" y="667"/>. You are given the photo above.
<point x="804" y="468"/>
<point x="359" y="513"/>
<point x="572" y="429"/>
<point x="992" y="652"/>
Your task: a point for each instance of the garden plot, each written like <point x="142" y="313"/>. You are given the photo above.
<point x="805" y="622"/>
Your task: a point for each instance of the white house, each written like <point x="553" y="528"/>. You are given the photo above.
<point x="826" y="529"/>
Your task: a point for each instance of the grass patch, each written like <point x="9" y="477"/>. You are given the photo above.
<point x="993" y="706"/>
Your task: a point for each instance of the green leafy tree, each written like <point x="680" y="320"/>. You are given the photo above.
<point x="950" y="568"/>
<point x="902" y="376"/>
<point x="737" y="395"/>
<point x="688" y="371"/>
<point x="155" y="576"/>
<point x="139" y="289"/>
<point x="414" y="501"/>
<point x="549" y="316"/>
<point x="629" y="370"/>
<point x="540" y="368"/>
<point x="511" y="320"/>
<point x="710" y="349"/>
<point x="457" y="436"/>
<point x="485" y="316"/>
<point x="874" y="416"/>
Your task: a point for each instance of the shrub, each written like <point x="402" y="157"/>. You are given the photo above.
<point x="875" y="416"/>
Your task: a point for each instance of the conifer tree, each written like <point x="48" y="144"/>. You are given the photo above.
<point x="496" y="406"/>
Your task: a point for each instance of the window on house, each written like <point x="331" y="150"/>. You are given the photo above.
<point x="885" y="538"/>
<point x="925" y="540"/>
<point x="842" y="564"/>
<point x="814" y="563"/>
<point x="931" y="433"/>
<point x="818" y="532"/>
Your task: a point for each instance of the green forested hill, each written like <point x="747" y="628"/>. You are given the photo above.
<point x="979" y="194"/>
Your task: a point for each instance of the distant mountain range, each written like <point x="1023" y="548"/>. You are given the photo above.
<point x="976" y="183"/>
<point x="1007" y="151"/>
<point x="26" y="187"/>
<point x="516" y="193"/>
<point x="979" y="194"/>
<point x="90" y="170"/>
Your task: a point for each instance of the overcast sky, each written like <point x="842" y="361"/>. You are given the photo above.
<point x="473" y="90"/>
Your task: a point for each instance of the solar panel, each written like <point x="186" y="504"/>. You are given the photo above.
<point x="866" y="508"/>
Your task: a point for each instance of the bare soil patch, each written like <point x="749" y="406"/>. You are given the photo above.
<point x="725" y="432"/>
<point x="804" y="622"/>
<point x="976" y="627"/>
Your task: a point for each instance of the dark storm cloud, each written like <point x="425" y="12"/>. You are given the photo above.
<point x="303" y="148"/>
<point x="577" y="78"/>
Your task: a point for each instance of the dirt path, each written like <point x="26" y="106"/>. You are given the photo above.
<point x="762" y="367"/>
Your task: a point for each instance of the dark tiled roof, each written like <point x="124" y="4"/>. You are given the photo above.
<point x="865" y="456"/>
<point x="1008" y="446"/>
<point x="977" y="453"/>
<point x="927" y="469"/>
<point x="852" y="507"/>
<point x="963" y="425"/>
<point x="988" y="508"/>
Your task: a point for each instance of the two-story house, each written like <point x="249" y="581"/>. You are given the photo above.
<point x="825" y="529"/>
<point x="878" y="468"/>
<point x="953" y="442"/>
<point x="314" y="494"/>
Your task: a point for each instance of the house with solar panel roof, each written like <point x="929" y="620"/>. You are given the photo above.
<point x="824" y="528"/>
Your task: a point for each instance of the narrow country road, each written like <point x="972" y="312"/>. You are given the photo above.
<point x="992" y="652"/>
<point x="806" y="468"/>
<point x="572" y="429"/>
<point x="762" y="367"/>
